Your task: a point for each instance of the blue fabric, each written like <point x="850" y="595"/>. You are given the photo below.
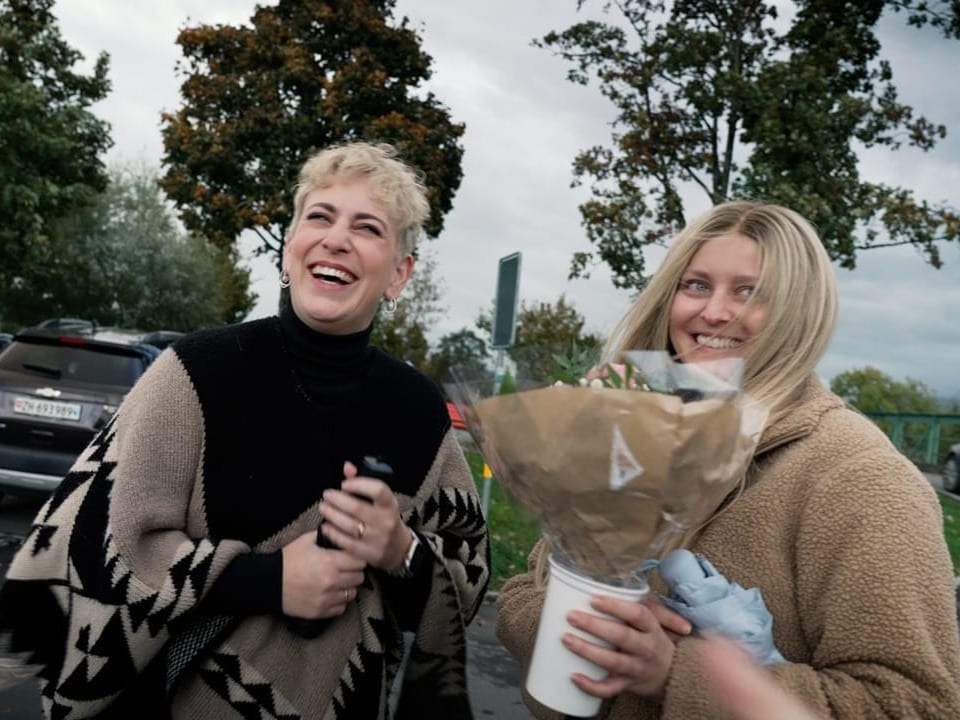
<point x="713" y="604"/>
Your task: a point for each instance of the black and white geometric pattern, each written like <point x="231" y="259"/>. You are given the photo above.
<point x="74" y="609"/>
<point x="245" y="690"/>
<point x="113" y="625"/>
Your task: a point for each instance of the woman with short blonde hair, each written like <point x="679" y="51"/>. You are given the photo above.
<point x="251" y="535"/>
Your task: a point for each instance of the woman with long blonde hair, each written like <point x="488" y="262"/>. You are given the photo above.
<point x="839" y="531"/>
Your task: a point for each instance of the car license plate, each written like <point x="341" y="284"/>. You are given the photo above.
<point x="47" y="408"/>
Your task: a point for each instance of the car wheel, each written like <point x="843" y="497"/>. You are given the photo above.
<point x="951" y="468"/>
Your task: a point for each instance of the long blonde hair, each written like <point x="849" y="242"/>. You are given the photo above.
<point x="796" y="283"/>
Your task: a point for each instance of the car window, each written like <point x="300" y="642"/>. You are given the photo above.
<point x="79" y="364"/>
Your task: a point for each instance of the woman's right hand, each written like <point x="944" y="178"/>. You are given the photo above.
<point x="318" y="582"/>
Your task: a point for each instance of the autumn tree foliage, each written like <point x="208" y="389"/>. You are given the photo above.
<point x="744" y="98"/>
<point x="50" y="143"/>
<point x="545" y="330"/>
<point x="258" y="99"/>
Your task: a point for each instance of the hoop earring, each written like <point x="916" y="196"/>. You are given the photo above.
<point x="284" y="279"/>
<point x="389" y="305"/>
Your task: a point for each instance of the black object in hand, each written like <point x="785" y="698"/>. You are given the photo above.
<point x="370" y="466"/>
<point x="375" y="467"/>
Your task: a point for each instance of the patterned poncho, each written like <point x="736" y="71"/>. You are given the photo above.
<point x="151" y="578"/>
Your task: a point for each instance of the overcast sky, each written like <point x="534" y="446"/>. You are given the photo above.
<point x="525" y="123"/>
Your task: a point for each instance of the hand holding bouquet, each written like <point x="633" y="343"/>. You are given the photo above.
<point x="612" y="465"/>
<point x="611" y="469"/>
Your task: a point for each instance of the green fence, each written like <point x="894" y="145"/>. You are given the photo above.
<point x="924" y="439"/>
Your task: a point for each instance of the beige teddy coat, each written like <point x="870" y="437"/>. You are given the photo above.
<point x="844" y="537"/>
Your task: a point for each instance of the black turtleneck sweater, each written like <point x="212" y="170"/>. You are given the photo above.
<point x="284" y="406"/>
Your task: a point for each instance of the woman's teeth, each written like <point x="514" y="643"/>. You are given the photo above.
<point x="717" y="343"/>
<point x="332" y="274"/>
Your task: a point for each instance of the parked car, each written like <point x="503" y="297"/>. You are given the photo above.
<point x="67" y="324"/>
<point x="59" y="385"/>
<point x="162" y="338"/>
<point x="951" y="468"/>
<point x="157" y="338"/>
<point x="5" y="339"/>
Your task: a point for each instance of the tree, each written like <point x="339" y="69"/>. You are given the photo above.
<point x="50" y="143"/>
<point x="258" y="100"/>
<point x="543" y="331"/>
<point x="463" y="347"/>
<point x="719" y="97"/>
<point x="871" y="391"/>
<point x="403" y="333"/>
<point x="124" y="261"/>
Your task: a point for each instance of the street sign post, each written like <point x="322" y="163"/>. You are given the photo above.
<point x="504" y="333"/>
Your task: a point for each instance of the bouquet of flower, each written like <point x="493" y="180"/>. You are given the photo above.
<point x="611" y="467"/>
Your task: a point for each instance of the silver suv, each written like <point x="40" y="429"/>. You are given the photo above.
<point x="951" y="470"/>
<point x="60" y="384"/>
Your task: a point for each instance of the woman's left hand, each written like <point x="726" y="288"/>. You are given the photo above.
<point x="639" y="661"/>
<point x="363" y="518"/>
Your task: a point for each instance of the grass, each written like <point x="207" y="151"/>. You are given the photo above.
<point x="513" y="532"/>
<point x="951" y="528"/>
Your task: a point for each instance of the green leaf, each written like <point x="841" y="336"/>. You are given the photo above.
<point x="735" y="100"/>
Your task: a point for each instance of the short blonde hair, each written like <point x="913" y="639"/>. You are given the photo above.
<point x="393" y="184"/>
<point x="797" y="284"/>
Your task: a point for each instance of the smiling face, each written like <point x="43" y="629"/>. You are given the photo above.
<point x="342" y="256"/>
<point x="710" y="318"/>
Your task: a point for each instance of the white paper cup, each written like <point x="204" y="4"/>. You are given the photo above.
<point x="549" y="677"/>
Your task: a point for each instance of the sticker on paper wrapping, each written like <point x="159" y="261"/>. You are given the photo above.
<point x="624" y="467"/>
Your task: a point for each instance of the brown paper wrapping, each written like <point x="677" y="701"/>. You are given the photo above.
<point x="555" y="450"/>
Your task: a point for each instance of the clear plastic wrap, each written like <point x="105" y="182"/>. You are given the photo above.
<point x="611" y="473"/>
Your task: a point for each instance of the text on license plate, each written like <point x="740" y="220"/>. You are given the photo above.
<point x="47" y="408"/>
